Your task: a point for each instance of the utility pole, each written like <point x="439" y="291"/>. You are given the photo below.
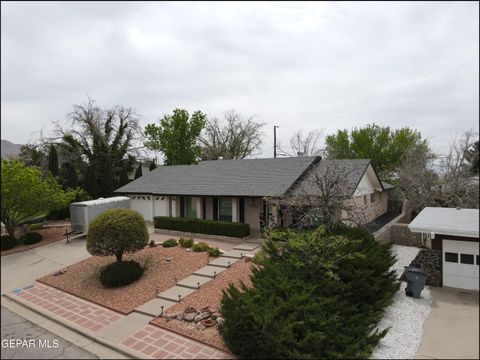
<point x="275" y="141"/>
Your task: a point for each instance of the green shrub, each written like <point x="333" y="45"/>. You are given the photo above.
<point x="37" y="226"/>
<point x="31" y="238"/>
<point x="170" y="243"/>
<point x="121" y="273"/>
<point x="259" y="257"/>
<point x="73" y="195"/>
<point x="152" y="243"/>
<point x="117" y="232"/>
<point x="201" y="226"/>
<point x="213" y="251"/>
<point x="7" y="242"/>
<point x="200" y="247"/>
<point x="351" y="232"/>
<point x="316" y="295"/>
<point x="186" y="242"/>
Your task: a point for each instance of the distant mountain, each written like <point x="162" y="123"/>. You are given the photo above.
<point x="9" y="149"/>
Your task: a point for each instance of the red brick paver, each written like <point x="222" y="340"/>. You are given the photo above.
<point x="156" y="343"/>
<point x="81" y="313"/>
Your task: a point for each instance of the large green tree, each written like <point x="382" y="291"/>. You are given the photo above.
<point x="105" y="138"/>
<point x="386" y="147"/>
<point x="176" y="136"/>
<point x="27" y="193"/>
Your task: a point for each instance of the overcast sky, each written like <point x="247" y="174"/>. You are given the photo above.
<point x="296" y="65"/>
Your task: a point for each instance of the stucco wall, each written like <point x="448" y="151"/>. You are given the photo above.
<point x="252" y="212"/>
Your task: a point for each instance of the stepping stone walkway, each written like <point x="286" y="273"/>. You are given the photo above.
<point x="209" y="271"/>
<point x="236" y="254"/>
<point x="224" y="262"/>
<point x="173" y="293"/>
<point x="247" y="246"/>
<point x="154" y="307"/>
<point x="193" y="281"/>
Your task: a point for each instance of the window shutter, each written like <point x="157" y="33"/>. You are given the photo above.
<point x="242" y="210"/>
<point x="215" y="208"/>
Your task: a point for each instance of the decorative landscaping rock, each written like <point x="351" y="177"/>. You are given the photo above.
<point x="180" y="316"/>
<point x="220" y="320"/>
<point x="202" y="316"/>
<point x="200" y="326"/>
<point x="431" y="262"/>
<point x="189" y="316"/>
<point x="207" y="322"/>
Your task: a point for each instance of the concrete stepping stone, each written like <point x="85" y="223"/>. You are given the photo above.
<point x="209" y="271"/>
<point x="154" y="306"/>
<point x="236" y="254"/>
<point x="193" y="281"/>
<point x="172" y="293"/>
<point x="246" y="246"/>
<point x="223" y="262"/>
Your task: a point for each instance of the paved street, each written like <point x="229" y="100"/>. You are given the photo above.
<point x="15" y="327"/>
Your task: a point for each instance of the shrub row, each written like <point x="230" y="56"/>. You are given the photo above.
<point x="200" y="226"/>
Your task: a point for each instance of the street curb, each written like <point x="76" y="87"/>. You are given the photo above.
<point x="54" y="318"/>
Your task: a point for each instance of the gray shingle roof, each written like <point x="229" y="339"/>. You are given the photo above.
<point x="347" y="172"/>
<point x="249" y="177"/>
<point x="387" y="186"/>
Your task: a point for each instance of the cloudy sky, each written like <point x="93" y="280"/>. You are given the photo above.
<point x="301" y="66"/>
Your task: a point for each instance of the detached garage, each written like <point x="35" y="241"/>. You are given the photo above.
<point x="455" y="232"/>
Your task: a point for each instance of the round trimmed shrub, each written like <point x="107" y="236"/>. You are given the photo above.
<point x="7" y="242"/>
<point x="121" y="273"/>
<point x="31" y="238"/>
<point x="200" y="247"/>
<point x="117" y="232"/>
<point x="213" y="251"/>
<point x="170" y="243"/>
<point x="186" y="242"/>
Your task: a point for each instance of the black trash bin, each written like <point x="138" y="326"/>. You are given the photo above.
<point x="416" y="279"/>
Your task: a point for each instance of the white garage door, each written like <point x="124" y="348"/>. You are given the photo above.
<point x="143" y="204"/>
<point x="460" y="264"/>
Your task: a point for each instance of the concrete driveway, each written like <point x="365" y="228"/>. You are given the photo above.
<point x="21" y="269"/>
<point x="451" y="330"/>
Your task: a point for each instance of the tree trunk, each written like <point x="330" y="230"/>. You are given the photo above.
<point x="119" y="256"/>
<point x="10" y="229"/>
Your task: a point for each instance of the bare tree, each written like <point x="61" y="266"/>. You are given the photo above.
<point x="235" y="138"/>
<point x="304" y="145"/>
<point x="322" y="197"/>
<point x="451" y="186"/>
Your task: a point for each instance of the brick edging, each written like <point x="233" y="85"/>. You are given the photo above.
<point x="190" y="337"/>
<point x="54" y="318"/>
<point x="84" y="298"/>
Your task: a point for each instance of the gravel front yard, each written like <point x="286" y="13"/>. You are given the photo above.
<point x="210" y="295"/>
<point x="405" y="316"/>
<point x="82" y="279"/>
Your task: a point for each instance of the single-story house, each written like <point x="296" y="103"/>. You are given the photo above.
<point x="238" y="190"/>
<point x="454" y="232"/>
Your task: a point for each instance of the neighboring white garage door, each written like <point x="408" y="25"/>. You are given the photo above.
<point x="143" y="204"/>
<point x="460" y="264"/>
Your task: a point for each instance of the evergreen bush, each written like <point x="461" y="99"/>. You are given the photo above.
<point x="213" y="251"/>
<point x="31" y="238"/>
<point x="186" y="242"/>
<point x="121" y="273"/>
<point x="314" y="295"/>
<point x="7" y="242"/>
<point x="200" y="247"/>
<point x="37" y="226"/>
<point x="201" y="226"/>
<point x="170" y="243"/>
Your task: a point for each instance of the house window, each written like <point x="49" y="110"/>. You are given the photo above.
<point x="372" y="197"/>
<point x="190" y="207"/>
<point x="478" y="260"/>
<point x="225" y="209"/>
<point x="466" y="259"/>
<point x="451" y="257"/>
